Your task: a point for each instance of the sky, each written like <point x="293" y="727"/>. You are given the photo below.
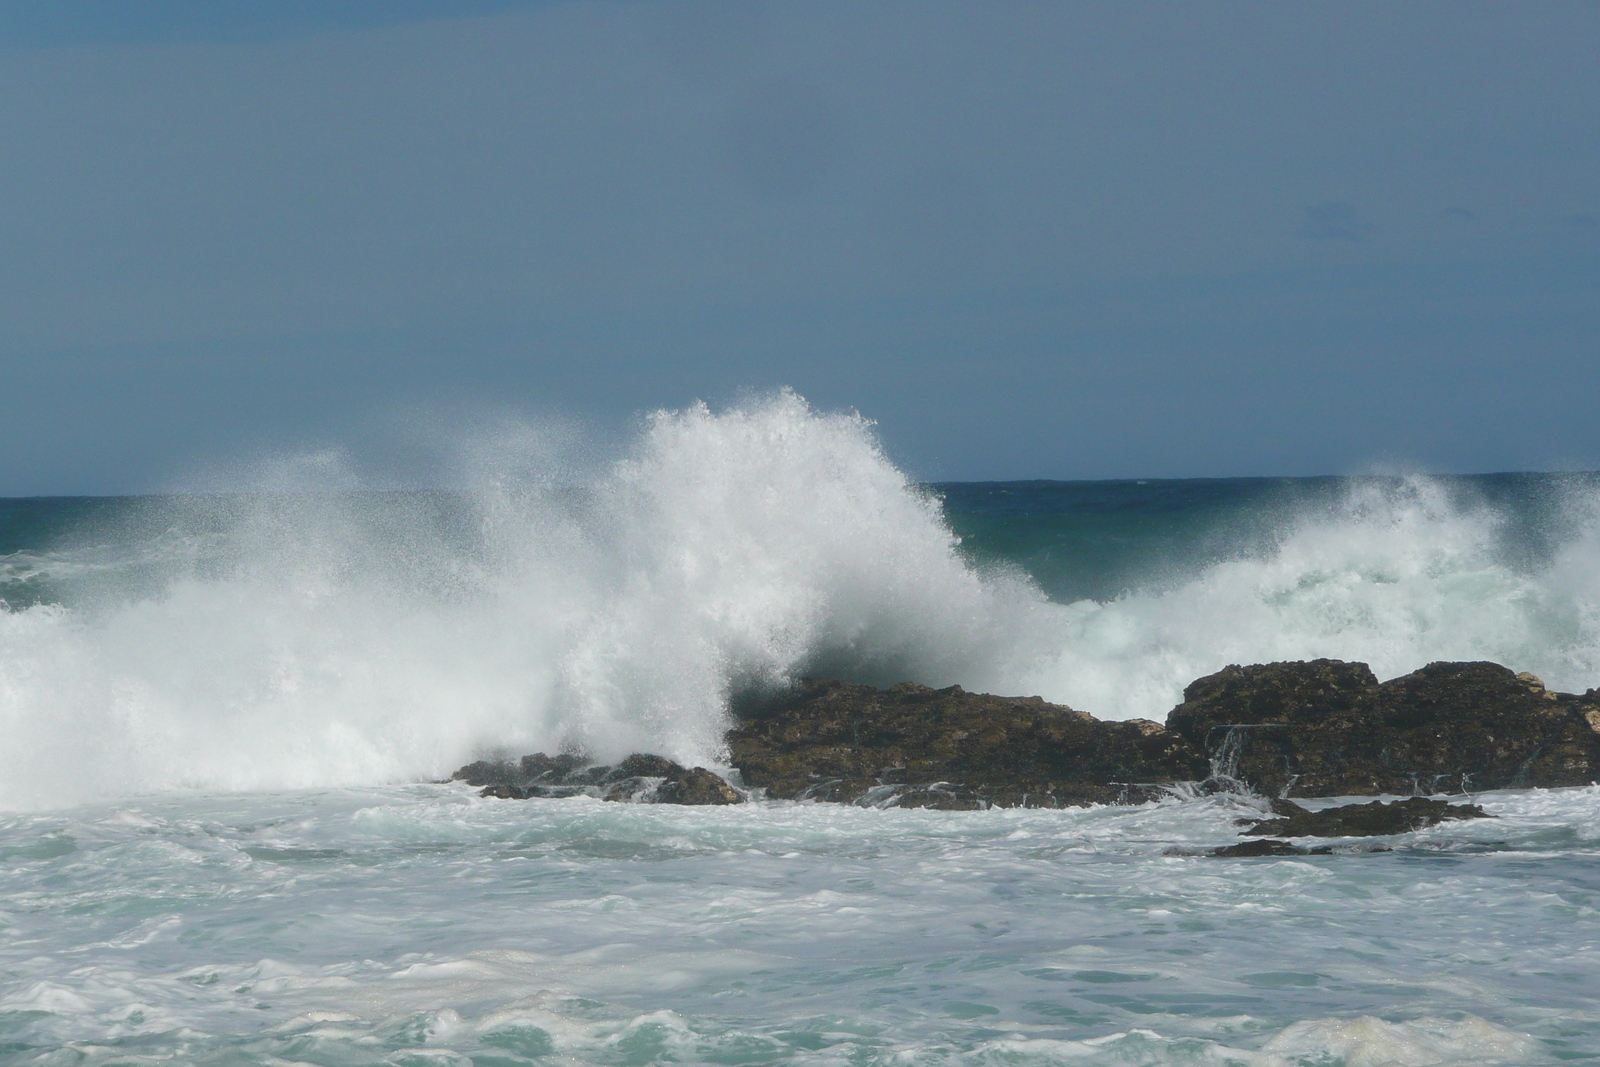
<point x="1030" y="240"/>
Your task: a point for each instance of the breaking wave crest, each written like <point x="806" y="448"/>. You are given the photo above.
<point x="337" y="638"/>
<point x="1398" y="575"/>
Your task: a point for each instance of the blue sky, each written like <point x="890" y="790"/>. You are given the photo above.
<point x="1031" y="240"/>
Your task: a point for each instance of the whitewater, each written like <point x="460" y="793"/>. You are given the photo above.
<point x="224" y="718"/>
<point x="290" y="638"/>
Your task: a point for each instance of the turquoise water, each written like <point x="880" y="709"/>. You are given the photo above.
<point x="1098" y="540"/>
<point x="1076" y="539"/>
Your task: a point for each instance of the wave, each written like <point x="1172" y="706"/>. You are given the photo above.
<point x="1399" y="574"/>
<point x="344" y="638"/>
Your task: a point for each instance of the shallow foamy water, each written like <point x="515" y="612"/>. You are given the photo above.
<point x="423" y="924"/>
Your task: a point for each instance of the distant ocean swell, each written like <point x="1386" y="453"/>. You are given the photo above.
<point x="292" y="639"/>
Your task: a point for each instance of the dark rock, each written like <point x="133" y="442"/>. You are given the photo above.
<point x="641" y="766"/>
<point x="831" y="740"/>
<point x="539" y="767"/>
<point x="1249" y="719"/>
<point x="642" y="778"/>
<point x="596" y="774"/>
<point x="696" y="786"/>
<point x="1317" y="728"/>
<point x="656" y="780"/>
<point x="936" y="798"/>
<point x="627" y="790"/>
<point x="1269" y="847"/>
<point x="1362" y="820"/>
<point x="530" y="770"/>
<point x="489" y="772"/>
<point x="834" y="790"/>
<point x="1327" y="728"/>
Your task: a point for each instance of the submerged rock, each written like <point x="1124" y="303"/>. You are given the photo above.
<point x="1328" y="728"/>
<point x="1269" y="847"/>
<point x="506" y="791"/>
<point x="1361" y="820"/>
<point x="644" y="779"/>
<point x="913" y="746"/>
<point x="940" y="797"/>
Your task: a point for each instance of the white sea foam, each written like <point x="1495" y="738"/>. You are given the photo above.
<point x="424" y="924"/>
<point x="323" y="641"/>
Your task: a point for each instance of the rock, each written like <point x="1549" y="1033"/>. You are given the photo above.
<point x="539" y="767"/>
<point x="1316" y="728"/>
<point x="1327" y="728"/>
<point x="626" y="790"/>
<point x="832" y="740"/>
<point x="656" y="780"/>
<point x="641" y="778"/>
<point x="696" y="786"/>
<point x="641" y="766"/>
<point x="940" y="797"/>
<point x="529" y="771"/>
<point x="1361" y="820"/>
<point x="1269" y="847"/>
<point x="488" y="772"/>
<point x="1248" y="719"/>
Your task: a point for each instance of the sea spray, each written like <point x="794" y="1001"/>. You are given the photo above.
<point x="336" y="638"/>
<point x="1398" y="573"/>
<point x="291" y="637"/>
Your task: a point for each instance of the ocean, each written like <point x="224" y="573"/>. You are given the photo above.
<point x="224" y="717"/>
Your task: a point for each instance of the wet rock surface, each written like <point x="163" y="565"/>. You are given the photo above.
<point x="641" y="778"/>
<point x="1306" y="728"/>
<point x="1269" y="847"/>
<point x="1360" y="820"/>
<point x="696" y="786"/>
<point x="947" y="749"/>
<point x="1328" y="728"/>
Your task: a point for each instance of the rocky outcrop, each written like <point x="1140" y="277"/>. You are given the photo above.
<point x="1317" y="728"/>
<point x="912" y="746"/>
<point x="1328" y="728"/>
<point x="1360" y="820"/>
<point x="1269" y="847"/>
<point x="644" y="779"/>
<point x="1345" y="820"/>
<point x="696" y="786"/>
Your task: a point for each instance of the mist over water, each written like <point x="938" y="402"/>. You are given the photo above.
<point x="288" y="638"/>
